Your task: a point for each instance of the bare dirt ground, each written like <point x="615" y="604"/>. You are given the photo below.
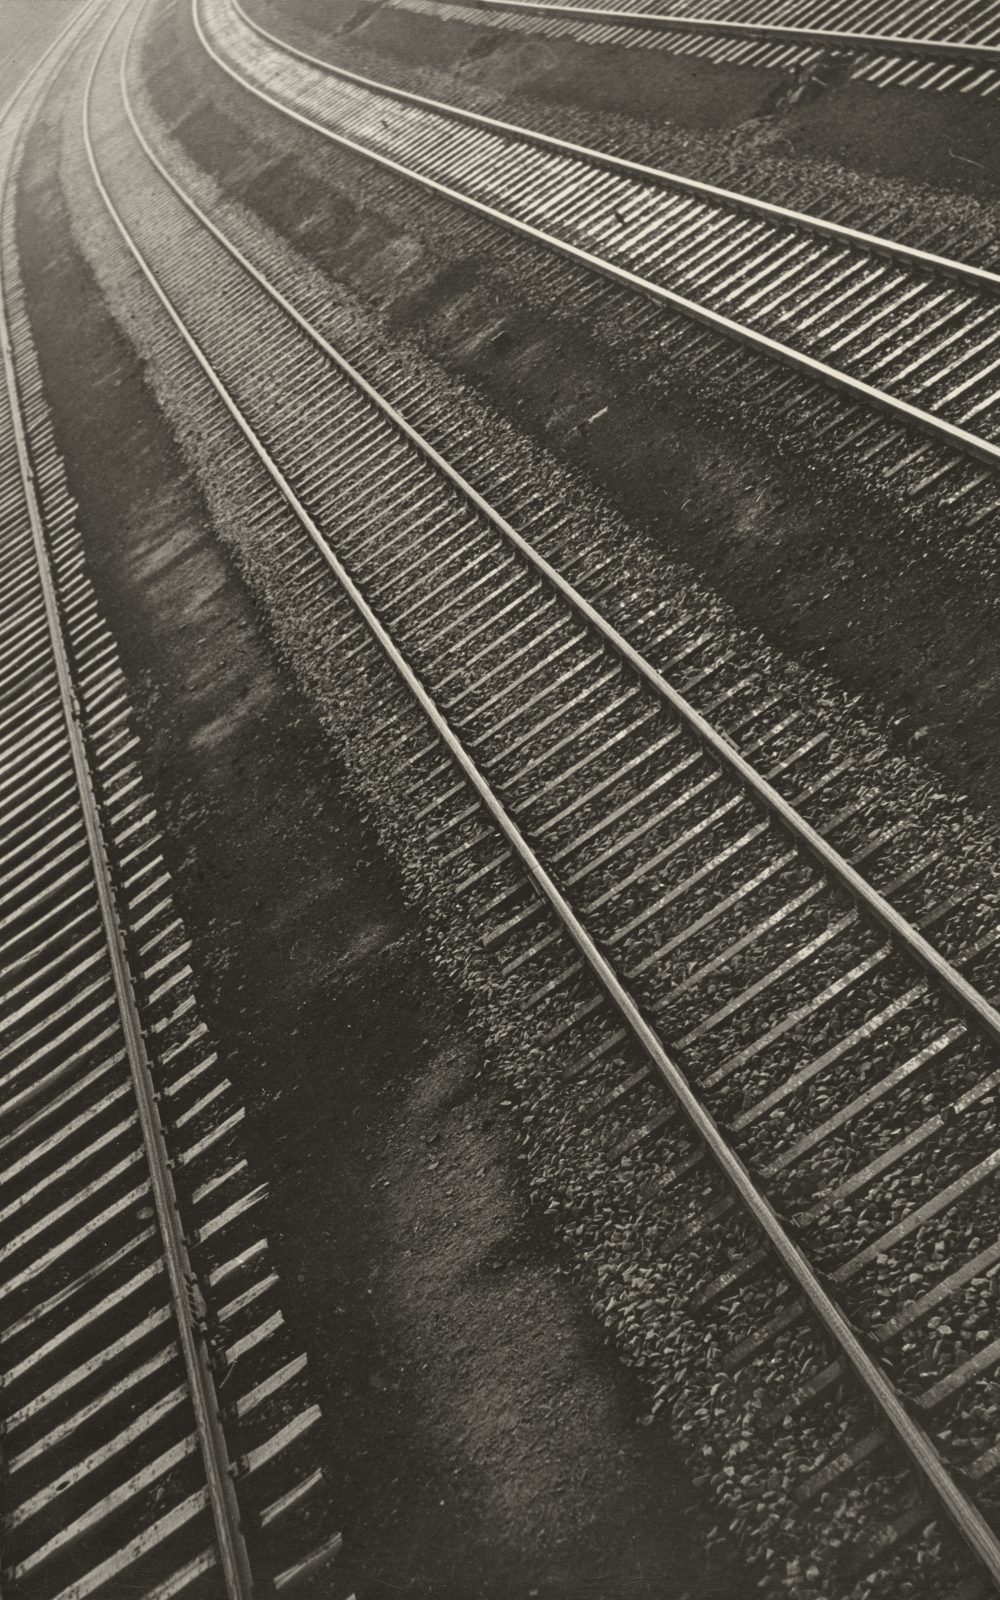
<point x="480" y="1440"/>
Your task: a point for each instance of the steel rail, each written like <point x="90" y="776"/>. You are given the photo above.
<point x="968" y="1520"/>
<point x="233" y="1558"/>
<point x="874" y="44"/>
<point x="908" y="255"/>
<point x="900" y="411"/>
<point x="61" y="40"/>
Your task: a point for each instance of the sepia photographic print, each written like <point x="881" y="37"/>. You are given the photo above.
<point x="499" y="799"/>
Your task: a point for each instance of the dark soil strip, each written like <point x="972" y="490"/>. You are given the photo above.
<point x="480" y="1441"/>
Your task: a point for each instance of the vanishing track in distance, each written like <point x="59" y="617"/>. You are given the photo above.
<point x="915" y="44"/>
<point x="905" y="337"/>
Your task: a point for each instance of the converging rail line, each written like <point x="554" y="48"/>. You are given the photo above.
<point x="690" y="930"/>
<point x="917" y="45"/>
<point x="132" y="1277"/>
<point x="909" y="336"/>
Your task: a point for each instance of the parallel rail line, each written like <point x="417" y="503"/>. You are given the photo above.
<point x="685" y="916"/>
<point x="960" y="49"/>
<point x="117" y="1129"/>
<point x="912" y="336"/>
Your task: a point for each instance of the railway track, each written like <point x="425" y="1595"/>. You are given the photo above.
<point x="744" y="982"/>
<point x="904" y="336"/>
<point x="156" y="1426"/>
<point x="919" y="45"/>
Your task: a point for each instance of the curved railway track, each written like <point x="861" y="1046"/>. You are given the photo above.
<point x="917" y="45"/>
<point x="679" y="927"/>
<point x="133" y="1279"/>
<point x="906" y="335"/>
